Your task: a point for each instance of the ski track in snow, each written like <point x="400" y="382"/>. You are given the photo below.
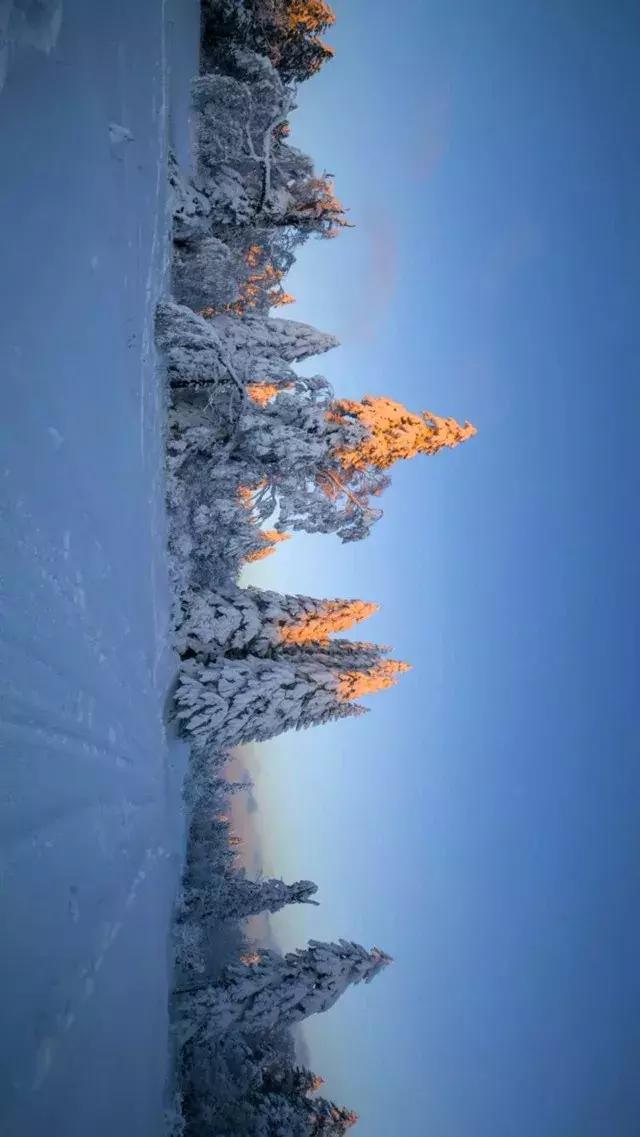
<point x="90" y="817"/>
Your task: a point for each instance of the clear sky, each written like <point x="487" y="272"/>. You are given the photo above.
<point x="481" y="824"/>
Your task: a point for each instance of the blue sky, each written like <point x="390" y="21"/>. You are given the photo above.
<point x="481" y="824"/>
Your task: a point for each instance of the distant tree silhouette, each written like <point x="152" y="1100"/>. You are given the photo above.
<point x="236" y="898"/>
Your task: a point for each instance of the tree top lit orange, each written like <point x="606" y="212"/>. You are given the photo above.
<point x="334" y="616"/>
<point x="356" y="684"/>
<point x="393" y="432"/>
<point x="310" y="15"/>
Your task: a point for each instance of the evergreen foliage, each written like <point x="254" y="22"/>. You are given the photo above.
<point x="254" y="451"/>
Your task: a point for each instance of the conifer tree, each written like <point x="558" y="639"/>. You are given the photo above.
<point x="288" y="32"/>
<point x="393" y="433"/>
<point x="257" y="620"/>
<point x="325" y="461"/>
<point x="249" y="175"/>
<point x="233" y="701"/>
<point x="275" y="991"/>
<point x="239" y="898"/>
<point x="201" y="353"/>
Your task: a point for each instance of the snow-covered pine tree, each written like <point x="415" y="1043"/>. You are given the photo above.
<point x="202" y="352"/>
<point x="297" y="1115"/>
<point x="250" y="174"/>
<point x="230" y="701"/>
<point x="271" y="337"/>
<point x="209" y="365"/>
<point x="285" y="1101"/>
<point x="256" y="621"/>
<point x="330" y="1119"/>
<point x="238" y="898"/>
<point x="260" y="288"/>
<point x="288" y="32"/>
<point x="275" y="991"/>
<point x="237" y="116"/>
<point x="392" y="432"/>
<point x="325" y="460"/>
<point x="196" y="355"/>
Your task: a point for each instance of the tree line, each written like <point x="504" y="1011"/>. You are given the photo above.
<point x="255" y="452"/>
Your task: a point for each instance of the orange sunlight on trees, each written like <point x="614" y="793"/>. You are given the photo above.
<point x="262" y="288"/>
<point x="336" y="616"/>
<point x="310" y="15"/>
<point x="263" y="393"/>
<point x="245" y="493"/>
<point x="272" y="538"/>
<point x="394" y="432"/>
<point x="319" y="208"/>
<point x="356" y="684"/>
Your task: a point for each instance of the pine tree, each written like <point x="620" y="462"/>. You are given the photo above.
<point x="292" y="1080"/>
<point x="275" y="991"/>
<point x="224" y="349"/>
<point x="259" y="291"/>
<point x="309" y="15"/>
<point x="257" y="620"/>
<point x="288" y="32"/>
<point x="239" y="898"/>
<point x="233" y="701"/>
<point x="330" y="1119"/>
<point x="316" y="620"/>
<point x="326" y="460"/>
<point x="271" y="337"/>
<point x="291" y="1092"/>
<point x="249" y="174"/>
<point x="393" y="432"/>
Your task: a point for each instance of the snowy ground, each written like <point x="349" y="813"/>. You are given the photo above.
<point x="89" y="785"/>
